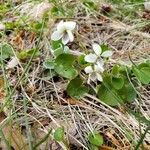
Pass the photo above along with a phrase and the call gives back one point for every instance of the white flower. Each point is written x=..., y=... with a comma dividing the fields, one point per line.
x=95, y=72
x=92, y=58
x=97, y=61
x=64, y=31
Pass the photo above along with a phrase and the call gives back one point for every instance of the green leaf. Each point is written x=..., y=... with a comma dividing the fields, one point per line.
x=58, y=51
x=144, y=65
x=56, y=44
x=31, y=51
x=148, y=62
x=76, y=88
x=22, y=55
x=28, y=53
x=64, y=66
x=127, y=93
x=49, y=64
x=57, y=48
x=104, y=47
x=117, y=82
x=115, y=70
x=81, y=60
x=59, y=134
x=108, y=95
x=140, y=117
x=95, y=139
x=90, y=4
x=143, y=74
x=5, y=51
x=57, y=11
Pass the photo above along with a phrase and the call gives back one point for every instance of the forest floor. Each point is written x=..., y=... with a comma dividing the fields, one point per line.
x=37, y=111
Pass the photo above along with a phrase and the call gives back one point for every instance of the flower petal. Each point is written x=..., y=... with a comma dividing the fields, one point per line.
x=65, y=39
x=100, y=61
x=93, y=76
x=56, y=36
x=66, y=49
x=70, y=25
x=91, y=58
x=97, y=49
x=61, y=26
x=107, y=54
x=71, y=37
x=98, y=68
x=99, y=77
x=88, y=69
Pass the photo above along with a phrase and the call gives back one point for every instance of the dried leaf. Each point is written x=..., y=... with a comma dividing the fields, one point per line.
x=15, y=138
x=105, y=148
x=2, y=93
x=113, y=139
x=18, y=42
x=13, y=135
x=71, y=102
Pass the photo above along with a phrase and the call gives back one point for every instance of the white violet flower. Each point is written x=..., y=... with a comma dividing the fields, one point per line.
x=64, y=32
x=92, y=58
x=97, y=66
x=94, y=72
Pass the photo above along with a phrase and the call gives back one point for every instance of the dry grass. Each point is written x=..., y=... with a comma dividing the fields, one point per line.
x=39, y=102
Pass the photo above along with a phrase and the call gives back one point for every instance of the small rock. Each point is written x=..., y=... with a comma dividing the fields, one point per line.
x=2, y=26
x=147, y=6
x=106, y=8
x=12, y=63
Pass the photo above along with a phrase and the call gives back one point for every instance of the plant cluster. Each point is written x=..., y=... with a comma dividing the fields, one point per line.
x=114, y=86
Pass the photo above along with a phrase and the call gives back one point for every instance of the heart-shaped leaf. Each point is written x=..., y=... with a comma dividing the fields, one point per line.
x=64, y=66
x=6, y=51
x=142, y=73
x=76, y=88
x=49, y=64
x=95, y=139
x=57, y=48
x=59, y=134
x=115, y=70
x=117, y=82
x=109, y=95
x=127, y=93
